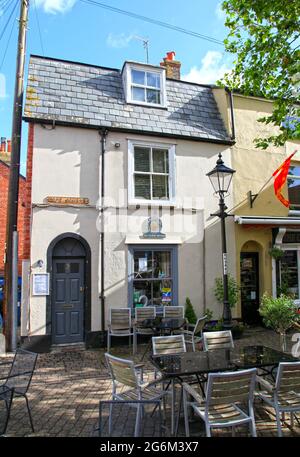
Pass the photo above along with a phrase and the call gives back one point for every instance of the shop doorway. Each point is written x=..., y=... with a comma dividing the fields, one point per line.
x=250, y=287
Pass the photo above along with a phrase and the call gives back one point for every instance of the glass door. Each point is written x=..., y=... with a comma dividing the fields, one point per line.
x=249, y=287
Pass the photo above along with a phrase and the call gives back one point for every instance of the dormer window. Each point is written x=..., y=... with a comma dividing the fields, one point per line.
x=144, y=84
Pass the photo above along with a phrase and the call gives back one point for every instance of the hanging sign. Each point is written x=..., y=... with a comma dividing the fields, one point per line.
x=40, y=284
x=154, y=226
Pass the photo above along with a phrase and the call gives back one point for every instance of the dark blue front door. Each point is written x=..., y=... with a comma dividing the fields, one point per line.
x=68, y=300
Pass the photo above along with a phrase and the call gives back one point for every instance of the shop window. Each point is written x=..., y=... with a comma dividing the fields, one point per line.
x=294, y=187
x=153, y=275
x=288, y=274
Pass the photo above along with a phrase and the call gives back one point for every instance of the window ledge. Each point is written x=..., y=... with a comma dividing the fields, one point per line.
x=156, y=203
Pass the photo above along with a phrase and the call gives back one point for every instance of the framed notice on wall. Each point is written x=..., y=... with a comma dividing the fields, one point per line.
x=40, y=284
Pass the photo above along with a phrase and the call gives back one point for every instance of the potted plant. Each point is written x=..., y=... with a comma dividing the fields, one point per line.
x=233, y=291
x=189, y=313
x=279, y=314
x=276, y=252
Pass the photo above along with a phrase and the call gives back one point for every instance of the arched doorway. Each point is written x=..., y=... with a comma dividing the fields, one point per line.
x=69, y=256
x=250, y=290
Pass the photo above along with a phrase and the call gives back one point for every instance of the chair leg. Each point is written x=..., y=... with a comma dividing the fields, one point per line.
x=252, y=423
x=8, y=408
x=137, y=421
x=110, y=419
x=134, y=343
x=207, y=428
x=29, y=413
x=172, y=407
x=186, y=416
x=278, y=420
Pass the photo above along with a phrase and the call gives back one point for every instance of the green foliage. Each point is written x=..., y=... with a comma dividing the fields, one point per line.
x=209, y=313
x=189, y=312
x=264, y=37
x=233, y=291
x=276, y=252
x=278, y=313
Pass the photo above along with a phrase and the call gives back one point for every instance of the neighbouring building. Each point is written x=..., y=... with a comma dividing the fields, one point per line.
x=120, y=200
x=262, y=222
x=23, y=215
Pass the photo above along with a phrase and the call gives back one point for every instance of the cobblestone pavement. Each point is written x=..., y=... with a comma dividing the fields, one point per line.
x=67, y=387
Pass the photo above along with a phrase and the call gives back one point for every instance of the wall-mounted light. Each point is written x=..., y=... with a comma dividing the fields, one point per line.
x=117, y=145
x=40, y=263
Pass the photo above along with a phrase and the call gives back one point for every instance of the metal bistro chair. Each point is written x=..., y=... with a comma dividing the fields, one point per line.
x=141, y=314
x=173, y=312
x=169, y=345
x=284, y=395
x=124, y=374
x=192, y=336
x=20, y=375
x=119, y=324
x=225, y=395
x=217, y=340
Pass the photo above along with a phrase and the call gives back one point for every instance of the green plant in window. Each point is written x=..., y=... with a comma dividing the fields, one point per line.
x=190, y=314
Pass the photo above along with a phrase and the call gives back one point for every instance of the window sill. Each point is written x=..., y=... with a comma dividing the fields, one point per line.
x=153, y=203
x=147, y=105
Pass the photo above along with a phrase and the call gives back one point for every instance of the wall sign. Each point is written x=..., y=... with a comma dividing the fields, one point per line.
x=40, y=284
x=68, y=200
x=154, y=226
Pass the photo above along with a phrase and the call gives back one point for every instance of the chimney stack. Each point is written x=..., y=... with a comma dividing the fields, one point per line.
x=5, y=150
x=172, y=66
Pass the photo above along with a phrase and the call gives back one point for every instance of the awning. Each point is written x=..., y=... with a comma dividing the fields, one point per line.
x=266, y=220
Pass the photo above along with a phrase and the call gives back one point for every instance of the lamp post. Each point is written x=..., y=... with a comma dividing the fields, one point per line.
x=220, y=178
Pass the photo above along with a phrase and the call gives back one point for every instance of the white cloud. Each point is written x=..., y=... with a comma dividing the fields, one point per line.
x=55, y=6
x=221, y=15
x=120, y=40
x=213, y=68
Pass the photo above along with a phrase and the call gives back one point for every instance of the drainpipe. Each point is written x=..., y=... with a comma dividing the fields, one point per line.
x=229, y=92
x=103, y=134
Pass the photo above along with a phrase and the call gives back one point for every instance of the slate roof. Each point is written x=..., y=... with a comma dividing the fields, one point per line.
x=91, y=96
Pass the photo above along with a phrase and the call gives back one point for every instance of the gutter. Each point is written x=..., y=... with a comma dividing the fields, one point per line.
x=103, y=134
x=243, y=220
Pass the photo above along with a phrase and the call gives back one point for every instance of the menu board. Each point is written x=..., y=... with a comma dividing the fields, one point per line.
x=40, y=284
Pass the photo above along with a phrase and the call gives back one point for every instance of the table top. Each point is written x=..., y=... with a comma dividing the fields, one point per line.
x=161, y=323
x=188, y=363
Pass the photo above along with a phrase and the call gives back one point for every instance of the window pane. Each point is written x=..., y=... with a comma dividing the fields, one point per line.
x=153, y=96
x=160, y=160
x=142, y=264
x=138, y=94
x=138, y=77
x=74, y=267
x=160, y=188
x=162, y=264
x=153, y=80
x=162, y=293
x=289, y=274
x=141, y=159
x=294, y=170
x=141, y=288
x=294, y=191
x=142, y=186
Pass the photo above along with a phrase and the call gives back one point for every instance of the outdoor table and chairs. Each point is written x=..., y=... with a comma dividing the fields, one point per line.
x=180, y=367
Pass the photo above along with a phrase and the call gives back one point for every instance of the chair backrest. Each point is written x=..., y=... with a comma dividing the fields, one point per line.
x=147, y=312
x=120, y=318
x=217, y=340
x=173, y=344
x=122, y=371
x=174, y=312
x=288, y=377
x=21, y=371
x=200, y=325
x=233, y=387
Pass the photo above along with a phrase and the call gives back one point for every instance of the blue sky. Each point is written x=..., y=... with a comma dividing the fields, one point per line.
x=73, y=30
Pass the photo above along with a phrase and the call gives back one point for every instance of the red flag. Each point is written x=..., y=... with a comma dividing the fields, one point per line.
x=280, y=179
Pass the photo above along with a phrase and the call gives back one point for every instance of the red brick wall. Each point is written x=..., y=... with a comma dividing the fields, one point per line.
x=24, y=211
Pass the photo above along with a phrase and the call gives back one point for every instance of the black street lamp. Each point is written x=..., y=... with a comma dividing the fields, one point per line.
x=220, y=178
